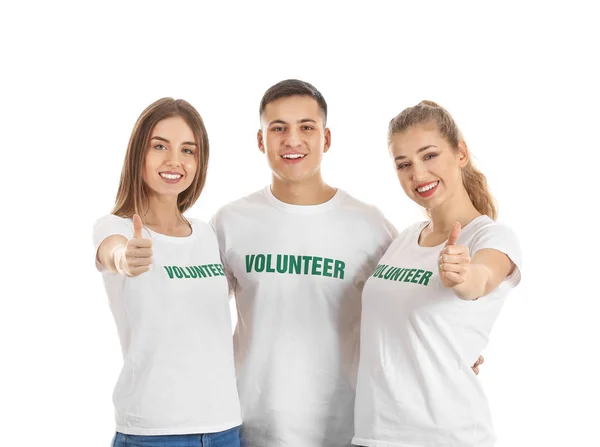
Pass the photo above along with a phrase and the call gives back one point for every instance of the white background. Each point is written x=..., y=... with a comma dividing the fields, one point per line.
x=519, y=80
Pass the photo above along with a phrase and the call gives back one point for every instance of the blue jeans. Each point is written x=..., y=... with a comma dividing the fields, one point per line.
x=227, y=438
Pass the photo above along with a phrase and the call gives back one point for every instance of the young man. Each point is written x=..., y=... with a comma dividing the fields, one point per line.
x=297, y=254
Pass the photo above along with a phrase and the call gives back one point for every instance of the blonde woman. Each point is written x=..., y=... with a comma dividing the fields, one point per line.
x=429, y=306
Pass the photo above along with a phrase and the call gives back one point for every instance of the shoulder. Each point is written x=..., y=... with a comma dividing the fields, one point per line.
x=487, y=233
x=485, y=227
x=198, y=225
x=203, y=235
x=111, y=219
x=111, y=222
x=368, y=218
x=363, y=210
x=109, y=225
x=242, y=205
x=410, y=233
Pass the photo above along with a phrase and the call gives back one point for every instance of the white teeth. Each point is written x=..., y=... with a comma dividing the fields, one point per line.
x=428, y=187
x=292, y=156
x=170, y=176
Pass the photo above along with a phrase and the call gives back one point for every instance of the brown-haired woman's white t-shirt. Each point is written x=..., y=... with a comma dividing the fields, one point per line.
x=174, y=325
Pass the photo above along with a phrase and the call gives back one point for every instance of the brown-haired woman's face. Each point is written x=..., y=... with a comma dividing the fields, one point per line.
x=171, y=160
x=428, y=168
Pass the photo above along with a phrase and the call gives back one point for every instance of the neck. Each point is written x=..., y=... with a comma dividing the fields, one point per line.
x=457, y=208
x=162, y=212
x=313, y=191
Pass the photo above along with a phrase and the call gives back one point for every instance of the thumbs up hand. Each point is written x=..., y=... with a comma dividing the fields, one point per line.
x=454, y=260
x=136, y=258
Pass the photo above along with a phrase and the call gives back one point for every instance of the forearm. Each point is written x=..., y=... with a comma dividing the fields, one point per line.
x=475, y=284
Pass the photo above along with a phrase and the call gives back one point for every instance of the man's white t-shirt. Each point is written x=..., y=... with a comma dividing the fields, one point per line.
x=297, y=273
x=174, y=326
x=418, y=342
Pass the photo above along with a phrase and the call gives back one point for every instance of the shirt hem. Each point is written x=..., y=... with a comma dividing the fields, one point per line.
x=215, y=428
x=373, y=443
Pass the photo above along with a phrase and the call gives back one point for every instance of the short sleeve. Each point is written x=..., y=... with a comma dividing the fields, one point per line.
x=387, y=230
x=502, y=238
x=215, y=223
x=391, y=229
x=107, y=226
x=382, y=234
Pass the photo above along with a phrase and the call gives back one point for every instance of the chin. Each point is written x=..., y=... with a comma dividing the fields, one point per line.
x=427, y=204
x=167, y=192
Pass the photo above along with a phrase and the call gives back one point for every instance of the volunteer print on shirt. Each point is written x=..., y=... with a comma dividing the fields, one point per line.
x=297, y=273
x=173, y=321
x=418, y=341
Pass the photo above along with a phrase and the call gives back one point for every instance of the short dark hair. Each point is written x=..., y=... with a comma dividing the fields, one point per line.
x=293, y=87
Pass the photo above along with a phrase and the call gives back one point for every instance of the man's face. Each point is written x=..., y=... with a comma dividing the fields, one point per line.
x=294, y=138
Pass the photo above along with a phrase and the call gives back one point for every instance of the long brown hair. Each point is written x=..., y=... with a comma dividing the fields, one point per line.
x=474, y=181
x=132, y=195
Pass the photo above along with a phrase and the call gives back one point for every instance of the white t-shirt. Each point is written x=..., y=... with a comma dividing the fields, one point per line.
x=297, y=273
x=174, y=326
x=418, y=342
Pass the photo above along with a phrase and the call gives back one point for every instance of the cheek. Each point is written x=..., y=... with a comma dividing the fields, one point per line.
x=446, y=167
x=149, y=167
x=316, y=141
x=451, y=173
x=271, y=143
x=404, y=181
x=191, y=166
x=153, y=160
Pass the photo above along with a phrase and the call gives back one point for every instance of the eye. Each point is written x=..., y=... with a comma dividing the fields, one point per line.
x=307, y=127
x=429, y=156
x=160, y=147
x=277, y=129
x=188, y=151
x=402, y=166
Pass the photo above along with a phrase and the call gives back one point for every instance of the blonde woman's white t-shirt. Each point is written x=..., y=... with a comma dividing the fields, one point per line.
x=418, y=342
x=174, y=326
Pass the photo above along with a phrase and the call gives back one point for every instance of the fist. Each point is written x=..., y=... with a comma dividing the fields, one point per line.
x=454, y=260
x=137, y=256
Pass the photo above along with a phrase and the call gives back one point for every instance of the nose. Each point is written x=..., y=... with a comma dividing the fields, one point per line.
x=173, y=159
x=293, y=138
x=419, y=172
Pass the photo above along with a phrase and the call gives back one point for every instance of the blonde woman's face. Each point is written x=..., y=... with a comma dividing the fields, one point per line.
x=171, y=160
x=428, y=168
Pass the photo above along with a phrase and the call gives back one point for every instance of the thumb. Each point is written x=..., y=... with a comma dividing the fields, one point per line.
x=454, y=233
x=137, y=226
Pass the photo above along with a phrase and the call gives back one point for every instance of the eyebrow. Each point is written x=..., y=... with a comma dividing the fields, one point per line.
x=303, y=120
x=187, y=143
x=424, y=148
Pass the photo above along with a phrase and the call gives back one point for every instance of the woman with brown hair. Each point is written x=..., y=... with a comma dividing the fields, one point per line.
x=167, y=290
x=429, y=306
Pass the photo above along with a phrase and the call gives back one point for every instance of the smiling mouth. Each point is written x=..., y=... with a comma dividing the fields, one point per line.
x=293, y=156
x=171, y=178
x=428, y=187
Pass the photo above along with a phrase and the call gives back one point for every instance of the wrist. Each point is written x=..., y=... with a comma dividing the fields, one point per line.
x=118, y=255
x=470, y=289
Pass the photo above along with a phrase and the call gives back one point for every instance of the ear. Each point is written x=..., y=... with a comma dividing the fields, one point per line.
x=260, y=141
x=327, y=140
x=463, y=154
